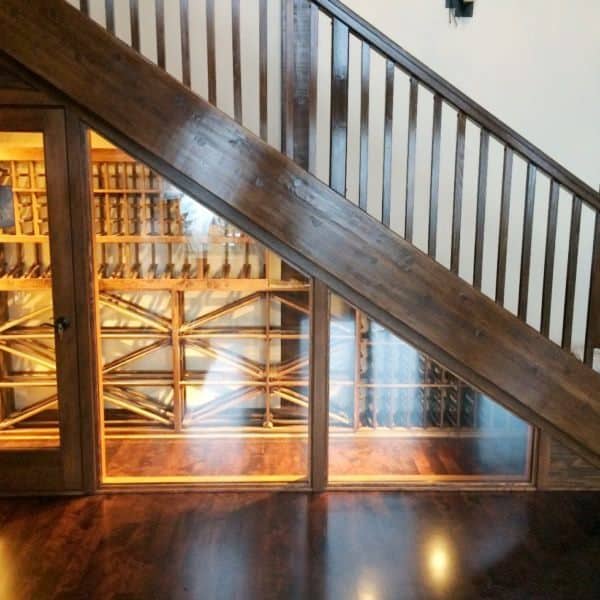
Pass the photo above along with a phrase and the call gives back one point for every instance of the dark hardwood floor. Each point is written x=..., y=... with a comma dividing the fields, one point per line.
x=338, y=545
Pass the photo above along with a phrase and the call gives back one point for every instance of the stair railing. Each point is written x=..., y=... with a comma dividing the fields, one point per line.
x=312, y=93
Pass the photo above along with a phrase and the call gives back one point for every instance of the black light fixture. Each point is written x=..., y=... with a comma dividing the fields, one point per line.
x=460, y=8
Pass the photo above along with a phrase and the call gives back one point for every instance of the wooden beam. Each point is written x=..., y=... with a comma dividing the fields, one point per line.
x=252, y=185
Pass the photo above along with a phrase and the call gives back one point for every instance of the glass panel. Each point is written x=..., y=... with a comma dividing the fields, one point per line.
x=397, y=415
x=28, y=393
x=204, y=338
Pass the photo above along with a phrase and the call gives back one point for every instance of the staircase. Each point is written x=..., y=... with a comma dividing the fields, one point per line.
x=368, y=252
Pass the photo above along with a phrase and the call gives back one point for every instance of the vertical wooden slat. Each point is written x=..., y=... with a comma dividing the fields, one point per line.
x=459, y=168
x=592, y=338
x=160, y=33
x=484, y=147
x=411, y=160
x=319, y=384
x=526, y=246
x=184, y=17
x=387, y=144
x=210, y=51
x=365, y=75
x=549, y=261
x=503, y=229
x=287, y=77
x=237, y=60
x=110, y=15
x=84, y=7
x=571, y=273
x=434, y=184
x=313, y=88
x=263, y=52
x=339, y=106
x=134, y=17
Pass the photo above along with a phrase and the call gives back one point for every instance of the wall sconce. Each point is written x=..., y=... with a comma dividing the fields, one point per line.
x=460, y=8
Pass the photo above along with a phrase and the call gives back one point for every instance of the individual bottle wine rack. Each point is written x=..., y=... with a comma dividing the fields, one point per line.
x=394, y=387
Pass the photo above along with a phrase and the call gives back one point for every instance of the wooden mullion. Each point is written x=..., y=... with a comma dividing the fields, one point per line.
x=185, y=42
x=178, y=376
x=434, y=186
x=134, y=17
x=237, y=60
x=592, y=339
x=263, y=50
x=340, y=48
x=549, y=261
x=411, y=160
x=526, y=245
x=364, y=126
x=484, y=147
x=503, y=228
x=459, y=168
x=387, y=144
x=319, y=386
x=571, y=273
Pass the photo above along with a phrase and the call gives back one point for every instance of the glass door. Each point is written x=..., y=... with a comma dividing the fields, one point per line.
x=39, y=416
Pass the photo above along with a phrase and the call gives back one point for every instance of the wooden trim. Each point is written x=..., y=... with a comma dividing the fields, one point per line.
x=319, y=389
x=415, y=68
x=200, y=150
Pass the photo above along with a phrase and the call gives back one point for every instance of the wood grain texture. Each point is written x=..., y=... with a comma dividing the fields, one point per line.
x=560, y=468
x=237, y=175
x=265, y=546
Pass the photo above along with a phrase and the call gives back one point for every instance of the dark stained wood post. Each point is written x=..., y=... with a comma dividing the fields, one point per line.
x=298, y=125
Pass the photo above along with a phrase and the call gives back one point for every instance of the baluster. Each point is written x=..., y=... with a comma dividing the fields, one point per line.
x=387, y=144
x=434, y=186
x=364, y=126
x=526, y=247
x=313, y=88
x=484, y=149
x=339, y=106
x=84, y=7
x=592, y=339
x=571, y=273
x=237, y=60
x=185, y=42
x=503, y=228
x=210, y=51
x=134, y=17
x=459, y=168
x=110, y=15
x=411, y=159
x=263, y=50
x=549, y=261
x=160, y=33
x=287, y=78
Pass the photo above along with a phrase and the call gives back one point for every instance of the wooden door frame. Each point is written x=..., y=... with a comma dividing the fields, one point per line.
x=57, y=470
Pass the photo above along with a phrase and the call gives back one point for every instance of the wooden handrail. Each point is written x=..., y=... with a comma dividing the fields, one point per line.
x=438, y=85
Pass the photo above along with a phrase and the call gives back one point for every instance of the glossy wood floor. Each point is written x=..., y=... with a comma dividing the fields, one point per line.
x=339, y=545
x=348, y=455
